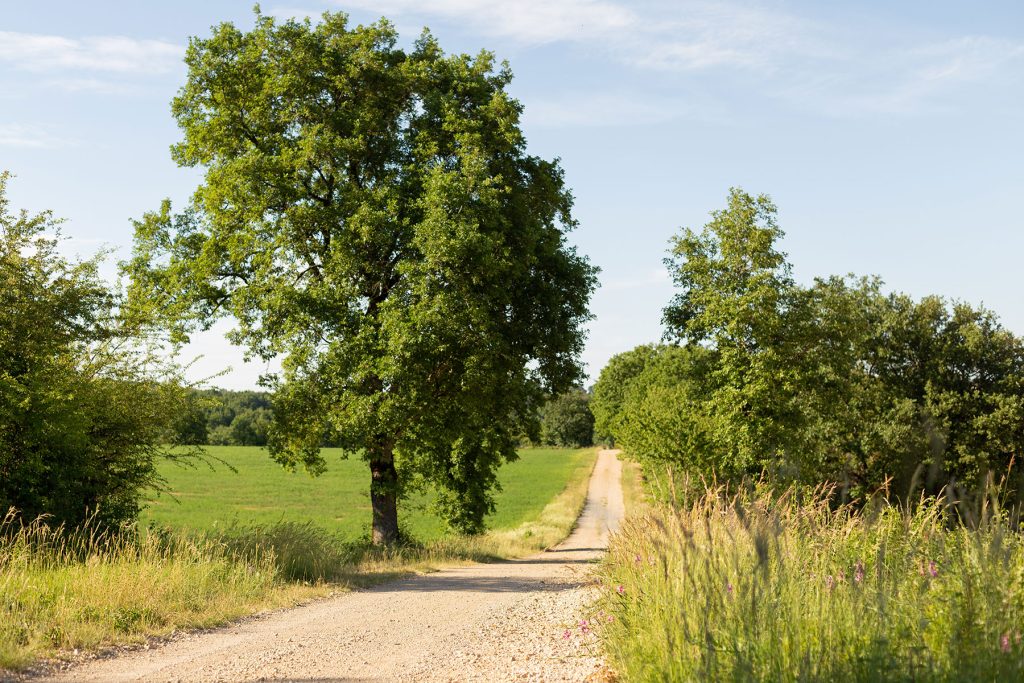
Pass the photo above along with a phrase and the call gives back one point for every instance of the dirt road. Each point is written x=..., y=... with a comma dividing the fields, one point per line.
x=488, y=622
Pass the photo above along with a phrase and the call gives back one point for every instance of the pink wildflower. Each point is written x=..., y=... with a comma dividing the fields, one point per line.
x=620, y=589
x=728, y=588
x=1004, y=642
x=830, y=582
x=567, y=635
x=639, y=559
x=610, y=618
x=858, y=572
x=933, y=569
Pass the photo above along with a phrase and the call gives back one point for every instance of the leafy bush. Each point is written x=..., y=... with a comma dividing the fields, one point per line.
x=85, y=404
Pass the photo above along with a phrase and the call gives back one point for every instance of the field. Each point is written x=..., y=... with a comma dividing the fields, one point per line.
x=262, y=492
x=239, y=543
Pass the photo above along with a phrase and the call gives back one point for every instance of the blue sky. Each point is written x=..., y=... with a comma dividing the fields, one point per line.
x=889, y=134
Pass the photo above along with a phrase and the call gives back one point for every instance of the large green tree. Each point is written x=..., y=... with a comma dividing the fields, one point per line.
x=735, y=295
x=371, y=215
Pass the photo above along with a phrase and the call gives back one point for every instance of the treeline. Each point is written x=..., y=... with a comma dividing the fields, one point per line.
x=835, y=382
x=220, y=417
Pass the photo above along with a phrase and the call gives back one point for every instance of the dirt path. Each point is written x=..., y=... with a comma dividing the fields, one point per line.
x=488, y=622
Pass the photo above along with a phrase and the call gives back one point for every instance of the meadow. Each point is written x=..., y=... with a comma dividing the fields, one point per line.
x=789, y=587
x=259, y=491
x=238, y=543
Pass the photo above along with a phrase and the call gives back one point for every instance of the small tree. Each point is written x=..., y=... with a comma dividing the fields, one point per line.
x=567, y=420
x=372, y=215
x=735, y=295
x=84, y=408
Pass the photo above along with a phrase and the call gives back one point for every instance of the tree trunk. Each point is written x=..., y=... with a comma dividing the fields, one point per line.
x=384, y=497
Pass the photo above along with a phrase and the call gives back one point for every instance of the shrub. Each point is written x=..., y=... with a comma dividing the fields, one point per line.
x=85, y=403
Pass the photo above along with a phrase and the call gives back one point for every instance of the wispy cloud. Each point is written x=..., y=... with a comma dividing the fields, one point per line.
x=826, y=66
x=686, y=35
x=19, y=135
x=908, y=81
x=109, y=54
x=529, y=21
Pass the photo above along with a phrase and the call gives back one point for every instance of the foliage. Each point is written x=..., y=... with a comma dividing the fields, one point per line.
x=790, y=588
x=663, y=415
x=371, y=215
x=835, y=382
x=608, y=398
x=85, y=405
x=566, y=420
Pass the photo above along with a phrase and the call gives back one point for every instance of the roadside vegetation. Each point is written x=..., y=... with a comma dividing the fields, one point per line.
x=791, y=587
x=881, y=541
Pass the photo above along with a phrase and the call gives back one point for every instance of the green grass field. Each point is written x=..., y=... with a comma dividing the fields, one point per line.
x=261, y=492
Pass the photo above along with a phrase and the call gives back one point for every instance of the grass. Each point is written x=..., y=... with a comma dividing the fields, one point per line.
x=61, y=591
x=261, y=492
x=788, y=588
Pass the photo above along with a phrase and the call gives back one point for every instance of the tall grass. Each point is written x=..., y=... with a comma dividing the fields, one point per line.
x=65, y=589
x=788, y=588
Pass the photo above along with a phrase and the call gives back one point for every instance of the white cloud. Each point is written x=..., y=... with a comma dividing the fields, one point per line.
x=666, y=35
x=18, y=135
x=111, y=54
x=528, y=21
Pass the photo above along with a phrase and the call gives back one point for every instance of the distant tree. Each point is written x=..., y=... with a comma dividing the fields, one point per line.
x=567, y=421
x=611, y=387
x=372, y=215
x=85, y=409
x=191, y=426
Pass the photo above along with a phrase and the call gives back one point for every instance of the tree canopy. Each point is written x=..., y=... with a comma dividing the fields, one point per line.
x=371, y=215
x=832, y=382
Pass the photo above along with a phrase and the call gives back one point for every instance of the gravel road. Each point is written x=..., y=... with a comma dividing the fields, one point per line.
x=506, y=621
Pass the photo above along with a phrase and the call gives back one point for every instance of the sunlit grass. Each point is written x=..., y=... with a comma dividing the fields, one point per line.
x=259, y=491
x=762, y=588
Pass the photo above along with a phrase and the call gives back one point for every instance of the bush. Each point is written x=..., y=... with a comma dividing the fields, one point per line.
x=85, y=404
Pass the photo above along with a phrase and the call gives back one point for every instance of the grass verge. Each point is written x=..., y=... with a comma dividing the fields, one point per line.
x=783, y=589
x=61, y=591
